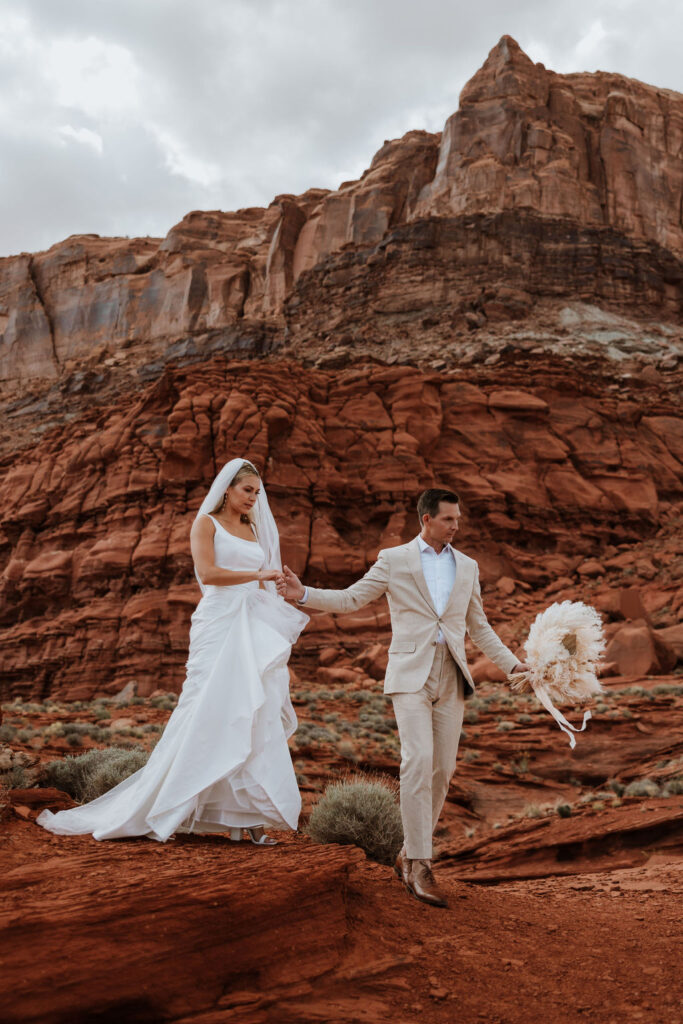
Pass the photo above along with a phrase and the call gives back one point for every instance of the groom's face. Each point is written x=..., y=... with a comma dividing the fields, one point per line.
x=445, y=524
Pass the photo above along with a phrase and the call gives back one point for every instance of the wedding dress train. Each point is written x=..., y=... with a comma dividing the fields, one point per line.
x=223, y=761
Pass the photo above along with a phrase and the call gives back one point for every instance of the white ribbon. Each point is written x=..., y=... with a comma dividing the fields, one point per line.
x=564, y=725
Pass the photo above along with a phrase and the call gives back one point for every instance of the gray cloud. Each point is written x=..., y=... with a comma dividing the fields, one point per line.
x=119, y=117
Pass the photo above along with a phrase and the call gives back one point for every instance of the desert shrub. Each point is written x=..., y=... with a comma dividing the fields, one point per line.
x=166, y=703
x=504, y=726
x=113, y=770
x=525, y=719
x=642, y=787
x=674, y=787
x=74, y=739
x=310, y=733
x=101, y=712
x=15, y=778
x=87, y=776
x=471, y=716
x=616, y=787
x=471, y=755
x=533, y=811
x=7, y=732
x=564, y=810
x=360, y=811
x=346, y=749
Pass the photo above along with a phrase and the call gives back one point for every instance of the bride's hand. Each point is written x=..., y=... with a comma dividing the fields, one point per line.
x=275, y=575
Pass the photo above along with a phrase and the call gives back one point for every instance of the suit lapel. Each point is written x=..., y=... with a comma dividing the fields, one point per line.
x=458, y=586
x=415, y=566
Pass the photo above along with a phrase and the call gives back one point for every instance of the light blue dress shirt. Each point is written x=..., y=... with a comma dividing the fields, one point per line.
x=439, y=573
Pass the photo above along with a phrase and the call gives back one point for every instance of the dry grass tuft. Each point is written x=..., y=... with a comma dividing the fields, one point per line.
x=89, y=775
x=360, y=811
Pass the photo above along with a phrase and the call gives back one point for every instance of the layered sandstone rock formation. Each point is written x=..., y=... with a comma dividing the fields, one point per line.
x=568, y=184
x=97, y=586
x=497, y=308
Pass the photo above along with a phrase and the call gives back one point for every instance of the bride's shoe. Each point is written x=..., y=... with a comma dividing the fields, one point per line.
x=236, y=835
x=263, y=839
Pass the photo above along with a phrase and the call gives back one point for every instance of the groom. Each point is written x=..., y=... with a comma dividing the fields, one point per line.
x=434, y=598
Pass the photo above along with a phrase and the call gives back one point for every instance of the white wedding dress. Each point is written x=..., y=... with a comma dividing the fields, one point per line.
x=223, y=760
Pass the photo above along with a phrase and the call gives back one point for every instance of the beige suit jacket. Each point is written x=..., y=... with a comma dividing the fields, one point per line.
x=414, y=620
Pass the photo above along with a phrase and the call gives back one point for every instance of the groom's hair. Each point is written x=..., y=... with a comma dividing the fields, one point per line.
x=428, y=502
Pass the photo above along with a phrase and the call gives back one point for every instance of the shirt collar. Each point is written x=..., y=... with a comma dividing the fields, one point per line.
x=424, y=546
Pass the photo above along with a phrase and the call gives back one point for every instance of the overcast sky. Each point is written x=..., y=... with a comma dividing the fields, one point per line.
x=120, y=116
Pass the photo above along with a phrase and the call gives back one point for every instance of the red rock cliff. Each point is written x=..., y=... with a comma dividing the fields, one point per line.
x=497, y=309
x=589, y=164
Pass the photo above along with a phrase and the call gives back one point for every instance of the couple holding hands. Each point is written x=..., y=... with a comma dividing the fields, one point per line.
x=223, y=762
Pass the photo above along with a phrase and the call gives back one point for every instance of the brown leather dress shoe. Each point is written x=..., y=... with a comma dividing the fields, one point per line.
x=421, y=884
x=402, y=869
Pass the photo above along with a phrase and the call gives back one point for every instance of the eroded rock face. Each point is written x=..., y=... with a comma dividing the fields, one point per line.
x=598, y=149
x=494, y=309
x=540, y=185
x=97, y=585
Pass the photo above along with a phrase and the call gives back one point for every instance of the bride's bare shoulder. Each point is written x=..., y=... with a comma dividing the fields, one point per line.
x=203, y=525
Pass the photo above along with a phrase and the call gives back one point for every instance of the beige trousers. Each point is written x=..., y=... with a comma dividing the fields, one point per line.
x=429, y=726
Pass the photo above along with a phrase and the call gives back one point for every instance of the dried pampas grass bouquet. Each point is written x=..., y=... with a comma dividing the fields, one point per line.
x=563, y=648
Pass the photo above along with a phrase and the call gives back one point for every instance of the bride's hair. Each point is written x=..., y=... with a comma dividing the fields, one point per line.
x=246, y=470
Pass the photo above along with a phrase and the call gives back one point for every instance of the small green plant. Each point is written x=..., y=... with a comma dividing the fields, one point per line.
x=360, y=811
x=642, y=787
x=89, y=775
x=166, y=703
x=564, y=810
x=15, y=778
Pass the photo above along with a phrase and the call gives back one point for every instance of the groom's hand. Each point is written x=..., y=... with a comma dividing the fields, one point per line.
x=294, y=589
x=519, y=678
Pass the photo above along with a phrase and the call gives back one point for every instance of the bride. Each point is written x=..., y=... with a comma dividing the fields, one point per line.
x=222, y=763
